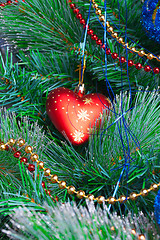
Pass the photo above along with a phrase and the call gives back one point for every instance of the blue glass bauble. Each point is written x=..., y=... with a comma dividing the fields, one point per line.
x=151, y=19
x=157, y=207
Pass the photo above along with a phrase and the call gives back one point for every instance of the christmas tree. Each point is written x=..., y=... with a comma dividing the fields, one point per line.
x=79, y=119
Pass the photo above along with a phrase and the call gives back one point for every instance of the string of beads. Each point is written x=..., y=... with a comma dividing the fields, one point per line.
x=62, y=184
x=114, y=34
x=114, y=55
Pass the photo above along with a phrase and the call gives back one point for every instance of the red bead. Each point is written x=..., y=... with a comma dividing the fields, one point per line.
x=14, y=149
x=94, y=37
x=43, y=184
x=156, y=70
x=90, y=32
x=82, y=21
x=147, y=68
x=24, y=159
x=138, y=66
x=122, y=59
x=48, y=192
x=9, y=2
x=114, y=55
x=2, y=4
x=99, y=42
x=130, y=63
x=79, y=16
x=31, y=167
x=17, y=154
x=86, y=26
x=108, y=51
x=103, y=46
x=76, y=10
x=7, y=148
x=72, y=5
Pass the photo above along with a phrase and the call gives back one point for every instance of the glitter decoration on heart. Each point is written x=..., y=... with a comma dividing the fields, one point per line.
x=73, y=115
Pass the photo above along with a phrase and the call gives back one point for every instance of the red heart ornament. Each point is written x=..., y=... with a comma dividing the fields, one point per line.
x=72, y=115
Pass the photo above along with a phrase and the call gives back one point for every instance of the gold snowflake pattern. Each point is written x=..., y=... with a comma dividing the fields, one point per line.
x=78, y=136
x=83, y=115
x=88, y=101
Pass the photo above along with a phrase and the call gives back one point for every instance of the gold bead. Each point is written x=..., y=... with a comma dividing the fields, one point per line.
x=100, y=199
x=90, y=197
x=71, y=189
x=107, y=24
x=11, y=141
x=80, y=194
x=112, y=228
x=34, y=157
x=102, y=18
x=110, y=29
x=150, y=56
x=122, y=199
x=144, y=192
x=114, y=35
x=133, y=49
x=141, y=237
x=133, y=196
x=98, y=11
x=112, y=200
x=133, y=231
x=120, y=40
x=47, y=171
x=95, y=5
x=141, y=53
x=41, y=164
x=62, y=184
x=158, y=58
x=54, y=178
x=154, y=187
x=28, y=149
x=21, y=142
x=2, y=147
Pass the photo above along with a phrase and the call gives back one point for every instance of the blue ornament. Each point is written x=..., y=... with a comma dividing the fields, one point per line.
x=151, y=19
x=157, y=207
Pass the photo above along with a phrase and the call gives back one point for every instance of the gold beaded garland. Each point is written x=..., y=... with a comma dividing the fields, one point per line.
x=140, y=52
x=133, y=196
x=133, y=231
x=11, y=141
x=154, y=187
x=80, y=194
x=150, y=56
x=2, y=147
x=21, y=142
x=141, y=237
x=41, y=164
x=71, y=189
x=54, y=178
x=122, y=199
x=90, y=197
x=28, y=149
x=144, y=192
x=100, y=199
x=34, y=157
x=111, y=200
x=47, y=171
x=62, y=184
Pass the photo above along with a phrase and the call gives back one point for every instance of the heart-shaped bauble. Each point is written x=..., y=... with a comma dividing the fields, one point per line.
x=74, y=116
